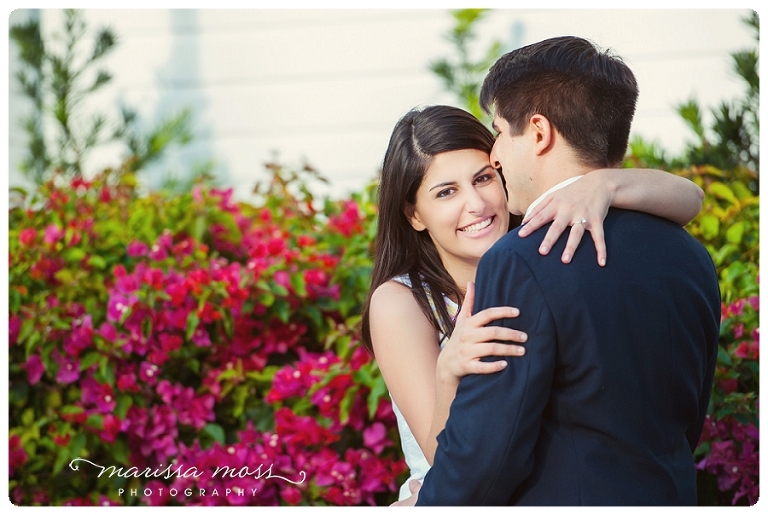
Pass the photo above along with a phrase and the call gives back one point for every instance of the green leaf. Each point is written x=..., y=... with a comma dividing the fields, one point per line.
x=216, y=432
x=14, y=300
x=192, y=322
x=346, y=404
x=97, y=262
x=74, y=255
x=89, y=359
x=239, y=396
x=124, y=402
x=62, y=458
x=283, y=310
x=722, y=191
x=120, y=452
x=279, y=289
x=297, y=281
x=735, y=233
x=378, y=390
x=26, y=329
x=198, y=229
x=723, y=356
x=77, y=444
x=710, y=226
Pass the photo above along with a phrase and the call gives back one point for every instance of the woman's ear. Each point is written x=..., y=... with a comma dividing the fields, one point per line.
x=542, y=131
x=413, y=218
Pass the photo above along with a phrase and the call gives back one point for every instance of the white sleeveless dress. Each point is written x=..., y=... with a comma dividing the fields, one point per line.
x=413, y=454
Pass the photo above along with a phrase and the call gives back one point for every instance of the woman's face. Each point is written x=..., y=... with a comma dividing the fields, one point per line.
x=461, y=203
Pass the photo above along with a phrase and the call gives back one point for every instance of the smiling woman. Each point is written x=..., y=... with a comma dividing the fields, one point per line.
x=463, y=204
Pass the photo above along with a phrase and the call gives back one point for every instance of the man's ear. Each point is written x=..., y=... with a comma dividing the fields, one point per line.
x=413, y=218
x=542, y=132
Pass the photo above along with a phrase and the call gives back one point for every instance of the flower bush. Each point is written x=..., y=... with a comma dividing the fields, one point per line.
x=728, y=456
x=193, y=350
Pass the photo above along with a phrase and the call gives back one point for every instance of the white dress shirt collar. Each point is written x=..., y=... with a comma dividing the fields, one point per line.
x=550, y=190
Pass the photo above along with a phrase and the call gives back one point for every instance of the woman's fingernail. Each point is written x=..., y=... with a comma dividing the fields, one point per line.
x=521, y=350
x=602, y=261
x=543, y=249
x=566, y=258
x=523, y=337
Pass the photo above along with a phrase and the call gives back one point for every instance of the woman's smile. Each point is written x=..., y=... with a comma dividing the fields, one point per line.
x=478, y=229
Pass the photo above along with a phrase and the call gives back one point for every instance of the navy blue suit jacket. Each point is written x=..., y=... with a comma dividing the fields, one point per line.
x=608, y=403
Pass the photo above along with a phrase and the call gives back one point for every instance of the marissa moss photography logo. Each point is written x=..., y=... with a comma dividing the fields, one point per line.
x=181, y=471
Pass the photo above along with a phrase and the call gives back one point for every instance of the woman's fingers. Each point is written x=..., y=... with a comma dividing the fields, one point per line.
x=574, y=238
x=553, y=233
x=469, y=300
x=488, y=315
x=539, y=216
x=598, y=236
x=497, y=333
x=492, y=349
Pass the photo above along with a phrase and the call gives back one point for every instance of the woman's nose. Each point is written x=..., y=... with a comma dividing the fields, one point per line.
x=475, y=202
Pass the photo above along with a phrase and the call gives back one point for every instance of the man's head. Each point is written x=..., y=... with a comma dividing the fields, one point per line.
x=586, y=95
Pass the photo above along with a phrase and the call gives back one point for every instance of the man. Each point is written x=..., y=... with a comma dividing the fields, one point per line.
x=607, y=405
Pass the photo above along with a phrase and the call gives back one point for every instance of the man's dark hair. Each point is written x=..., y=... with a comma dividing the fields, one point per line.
x=588, y=94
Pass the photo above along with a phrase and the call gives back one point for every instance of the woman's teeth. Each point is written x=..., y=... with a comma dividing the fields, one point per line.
x=478, y=226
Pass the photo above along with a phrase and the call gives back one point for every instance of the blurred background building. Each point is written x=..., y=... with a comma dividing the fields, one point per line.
x=326, y=86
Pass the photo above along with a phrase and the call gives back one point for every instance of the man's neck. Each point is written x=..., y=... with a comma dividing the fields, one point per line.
x=555, y=187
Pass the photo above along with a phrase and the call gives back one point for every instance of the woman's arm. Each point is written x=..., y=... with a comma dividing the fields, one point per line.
x=406, y=348
x=652, y=191
x=461, y=356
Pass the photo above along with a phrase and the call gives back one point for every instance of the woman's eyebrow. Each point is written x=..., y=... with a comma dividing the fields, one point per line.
x=481, y=170
x=452, y=183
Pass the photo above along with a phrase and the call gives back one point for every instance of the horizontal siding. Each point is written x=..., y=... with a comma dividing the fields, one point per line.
x=327, y=86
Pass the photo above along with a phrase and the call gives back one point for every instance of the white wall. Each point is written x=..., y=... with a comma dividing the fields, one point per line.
x=328, y=85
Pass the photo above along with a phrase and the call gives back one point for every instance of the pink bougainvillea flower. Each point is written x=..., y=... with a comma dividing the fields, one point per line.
x=27, y=237
x=291, y=495
x=80, y=338
x=178, y=293
x=148, y=372
x=375, y=437
x=35, y=369
x=126, y=377
x=137, y=249
x=754, y=301
x=111, y=427
x=282, y=278
x=748, y=350
x=201, y=338
x=119, y=305
x=17, y=456
x=69, y=369
x=170, y=342
x=14, y=326
x=108, y=332
x=737, y=307
x=105, y=401
x=53, y=234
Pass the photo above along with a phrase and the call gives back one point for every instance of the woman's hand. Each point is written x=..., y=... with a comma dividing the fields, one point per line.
x=582, y=205
x=471, y=340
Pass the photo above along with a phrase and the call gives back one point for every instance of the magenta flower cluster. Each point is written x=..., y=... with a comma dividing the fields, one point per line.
x=191, y=331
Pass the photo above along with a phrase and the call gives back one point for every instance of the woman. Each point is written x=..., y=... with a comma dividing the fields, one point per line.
x=441, y=207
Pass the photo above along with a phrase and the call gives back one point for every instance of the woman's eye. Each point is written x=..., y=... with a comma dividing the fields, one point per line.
x=483, y=178
x=445, y=192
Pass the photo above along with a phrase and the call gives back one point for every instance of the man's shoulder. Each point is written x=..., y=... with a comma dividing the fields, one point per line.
x=512, y=242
